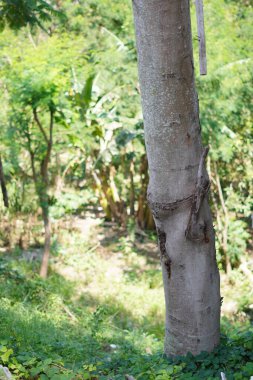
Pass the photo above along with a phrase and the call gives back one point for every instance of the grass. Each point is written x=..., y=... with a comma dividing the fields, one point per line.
x=100, y=313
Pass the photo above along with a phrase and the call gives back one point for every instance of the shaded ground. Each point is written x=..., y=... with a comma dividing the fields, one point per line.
x=100, y=313
x=135, y=255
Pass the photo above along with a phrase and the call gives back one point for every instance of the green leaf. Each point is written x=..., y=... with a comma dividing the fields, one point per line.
x=5, y=356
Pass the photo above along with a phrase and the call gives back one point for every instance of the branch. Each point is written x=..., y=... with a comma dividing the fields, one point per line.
x=24, y=173
x=222, y=200
x=45, y=161
x=226, y=215
x=72, y=161
x=32, y=154
x=31, y=37
x=40, y=125
x=51, y=127
x=217, y=217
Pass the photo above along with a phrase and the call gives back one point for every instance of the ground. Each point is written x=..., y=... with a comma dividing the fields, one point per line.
x=100, y=313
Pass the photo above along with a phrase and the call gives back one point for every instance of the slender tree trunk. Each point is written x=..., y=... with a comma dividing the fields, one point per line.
x=228, y=266
x=3, y=185
x=59, y=178
x=144, y=216
x=46, y=253
x=43, y=197
x=42, y=185
x=178, y=179
x=132, y=189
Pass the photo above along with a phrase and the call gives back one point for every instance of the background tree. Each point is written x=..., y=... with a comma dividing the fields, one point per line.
x=21, y=13
x=33, y=118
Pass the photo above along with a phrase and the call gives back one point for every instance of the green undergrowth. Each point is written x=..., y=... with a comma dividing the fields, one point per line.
x=99, y=315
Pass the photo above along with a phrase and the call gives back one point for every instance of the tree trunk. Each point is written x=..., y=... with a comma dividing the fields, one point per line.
x=46, y=253
x=228, y=266
x=178, y=179
x=144, y=216
x=3, y=185
x=132, y=189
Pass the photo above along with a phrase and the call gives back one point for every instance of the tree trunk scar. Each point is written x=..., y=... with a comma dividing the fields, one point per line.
x=164, y=256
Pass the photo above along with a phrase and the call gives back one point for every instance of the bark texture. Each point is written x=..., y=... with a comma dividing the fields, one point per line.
x=178, y=184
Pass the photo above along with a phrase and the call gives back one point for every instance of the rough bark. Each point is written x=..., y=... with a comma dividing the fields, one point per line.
x=178, y=180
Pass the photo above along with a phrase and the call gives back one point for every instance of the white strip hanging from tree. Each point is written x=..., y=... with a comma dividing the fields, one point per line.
x=201, y=37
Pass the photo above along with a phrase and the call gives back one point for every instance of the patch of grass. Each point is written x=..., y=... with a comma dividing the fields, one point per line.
x=100, y=315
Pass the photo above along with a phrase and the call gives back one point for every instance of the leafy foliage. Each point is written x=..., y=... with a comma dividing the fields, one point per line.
x=86, y=71
x=19, y=13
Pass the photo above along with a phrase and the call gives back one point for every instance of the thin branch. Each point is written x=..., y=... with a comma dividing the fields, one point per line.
x=226, y=215
x=31, y=37
x=218, y=218
x=71, y=162
x=24, y=173
x=40, y=125
x=32, y=154
x=220, y=192
x=45, y=161
x=68, y=312
x=51, y=127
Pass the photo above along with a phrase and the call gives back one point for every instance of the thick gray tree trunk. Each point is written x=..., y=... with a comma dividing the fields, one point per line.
x=178, y=185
